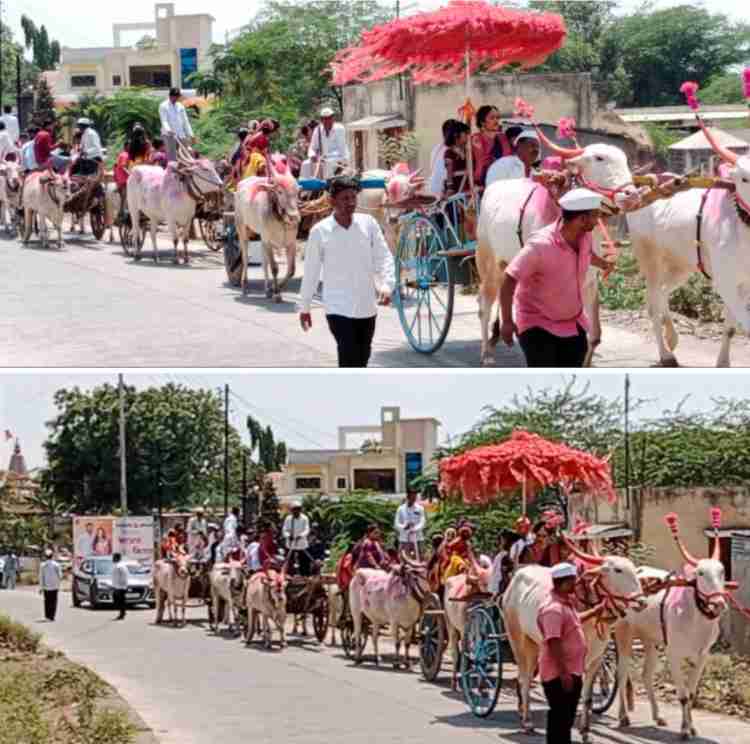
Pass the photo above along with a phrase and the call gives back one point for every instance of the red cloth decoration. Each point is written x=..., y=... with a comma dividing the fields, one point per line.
x=689, y=89
x=523, y=109
x=716, y=518
x=432, y=46
x=746, y=82
x=483, y=473
x=672, y=522
x=566, y=128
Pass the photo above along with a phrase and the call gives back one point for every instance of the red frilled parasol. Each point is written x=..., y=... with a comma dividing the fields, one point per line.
x=525, y=460
x=445, y=45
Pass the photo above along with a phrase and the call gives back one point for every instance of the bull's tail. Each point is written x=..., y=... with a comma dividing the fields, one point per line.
x=495, y=337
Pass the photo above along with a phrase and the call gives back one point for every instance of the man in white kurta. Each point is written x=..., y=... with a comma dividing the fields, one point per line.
x=526, y=149
x=175, y=124
x=296, y=530
x=328, y=148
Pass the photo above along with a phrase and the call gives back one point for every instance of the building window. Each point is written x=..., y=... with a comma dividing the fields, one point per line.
x=116, y=81
x=341, y=483
x=83, y=81
x=382, y=481
x=154, y=76
x=307, y=483
x=413, y=467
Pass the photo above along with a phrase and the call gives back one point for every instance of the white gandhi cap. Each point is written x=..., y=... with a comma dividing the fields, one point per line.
x=563, y=571
x=327, y=111
x=529, y=134
x=581, y=200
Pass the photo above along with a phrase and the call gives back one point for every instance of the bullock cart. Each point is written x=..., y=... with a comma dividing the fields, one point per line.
x=88, y=198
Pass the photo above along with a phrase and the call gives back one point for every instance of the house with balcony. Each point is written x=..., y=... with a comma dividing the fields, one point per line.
x=385, y=459
x=171, y=49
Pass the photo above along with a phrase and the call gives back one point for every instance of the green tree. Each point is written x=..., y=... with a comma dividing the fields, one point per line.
x=45, y=51
x=660, y=49
x=10, y=52
x=44, y=103
x=723, y=89
x=175, y=448
x=269, y=510
x=271, y=454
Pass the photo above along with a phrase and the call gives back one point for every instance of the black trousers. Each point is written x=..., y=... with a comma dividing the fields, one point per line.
x=562, y=709
x=50, y=603
x=543, y=349
x=353, y=339
x=119, y=599
x=303, y=559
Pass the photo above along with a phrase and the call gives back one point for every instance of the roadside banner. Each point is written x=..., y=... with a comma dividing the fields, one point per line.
x=96, y=536
x=134, y=539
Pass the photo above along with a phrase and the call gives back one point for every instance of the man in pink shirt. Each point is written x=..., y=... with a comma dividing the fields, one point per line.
x=542, y=296
x=563, y=655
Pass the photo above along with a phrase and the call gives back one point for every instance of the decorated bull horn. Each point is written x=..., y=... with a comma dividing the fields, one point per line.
x=716, y=524
x=726, y=155
x=642, y=170
x=564, y=152
x=594, y=560
x=673, y=523
x=415, y=175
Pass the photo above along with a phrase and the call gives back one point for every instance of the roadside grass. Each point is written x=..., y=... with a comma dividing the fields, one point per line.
x=46, y=699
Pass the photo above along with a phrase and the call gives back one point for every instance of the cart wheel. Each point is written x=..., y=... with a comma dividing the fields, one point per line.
x=347, y=637
x=605, y=684
x=432, y=639
x=425, y=286
x=96, y=218
x=233, y=257
x=210, y=234
x=320, y=617
x=481, y=662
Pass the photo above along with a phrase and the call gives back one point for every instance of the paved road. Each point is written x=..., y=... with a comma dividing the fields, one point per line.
x=192, y=687
x=90, y=306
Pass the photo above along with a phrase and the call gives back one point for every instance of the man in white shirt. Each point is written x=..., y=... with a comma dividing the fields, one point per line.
x=438, y=172
x=352, y=253
x=50, y=578
x=526, y=151
x=175, y=124
x=91, y=158
x=120, y=578
x=232, y=522
x=11, y=124
x=196, y=527
x=7, y=143
x=296, y=529
x=410, y=522
x=328, y=148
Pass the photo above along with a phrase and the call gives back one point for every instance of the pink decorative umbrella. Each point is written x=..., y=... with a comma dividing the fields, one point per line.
x=527, y=461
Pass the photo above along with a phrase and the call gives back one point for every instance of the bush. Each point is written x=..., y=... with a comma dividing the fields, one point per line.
x=697, y=299
x=18, y=637
x=624, y=289
x=21, y=713
x=108, y=725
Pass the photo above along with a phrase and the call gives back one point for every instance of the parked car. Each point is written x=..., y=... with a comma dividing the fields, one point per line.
x=92, y=583
x=2, y=571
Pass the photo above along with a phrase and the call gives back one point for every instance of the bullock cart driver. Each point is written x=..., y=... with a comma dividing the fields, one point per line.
x=371, y=553
x=296, y=531
x=350, y=250
x=175, y=124
x=328, y=147
x=90, y=161
x=541, y=299
x=526, y=151
x=410, y=522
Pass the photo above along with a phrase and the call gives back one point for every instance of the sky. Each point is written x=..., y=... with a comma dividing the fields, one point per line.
x=92, y=25
x=305, y=408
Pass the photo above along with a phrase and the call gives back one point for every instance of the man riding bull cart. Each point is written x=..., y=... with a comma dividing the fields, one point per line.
x=87, y=176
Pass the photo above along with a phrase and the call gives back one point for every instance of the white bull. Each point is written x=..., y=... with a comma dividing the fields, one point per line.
x=44, y=195
x=456, y=611
x=504, y=224
x=227, y=583
x=687, y=613
x=395, y=598
x=530, y=589
x=112, y=200
x=265, y=596
x=169, y=196
x=335, y=610
x=270, y=208
x=171, y=587
x=664, y=237
x=10, y=195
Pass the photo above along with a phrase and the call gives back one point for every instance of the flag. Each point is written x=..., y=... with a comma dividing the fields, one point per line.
x=8, y=435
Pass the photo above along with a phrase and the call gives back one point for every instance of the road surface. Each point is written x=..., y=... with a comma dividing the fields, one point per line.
x=89, y=305
x=193, y=687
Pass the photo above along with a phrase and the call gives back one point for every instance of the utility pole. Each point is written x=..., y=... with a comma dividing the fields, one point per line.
x=400, y=76
x=226, y=450
x=627, y=443
x=2, y=11
x=123, y=453
x=18, y=90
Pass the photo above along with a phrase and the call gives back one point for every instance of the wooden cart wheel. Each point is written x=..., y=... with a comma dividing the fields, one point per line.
x=96, y=218
x=320, y=616
x=605, y=684
x=210, y=234
x=347, y=637
x=425, y=285
x=481, y=662
x=233, y=257
x=432, y=638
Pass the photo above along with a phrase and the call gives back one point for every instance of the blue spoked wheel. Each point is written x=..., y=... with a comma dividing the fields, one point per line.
x=481, y=662
x=425, y=286
x=604, y=687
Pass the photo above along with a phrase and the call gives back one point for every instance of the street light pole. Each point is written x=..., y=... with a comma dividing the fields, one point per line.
x=627, y=443
x=123, y=453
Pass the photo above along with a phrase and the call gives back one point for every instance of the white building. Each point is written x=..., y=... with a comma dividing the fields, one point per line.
x=176, y=46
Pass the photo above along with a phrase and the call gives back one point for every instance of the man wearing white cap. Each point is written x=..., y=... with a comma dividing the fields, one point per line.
x=541, y=299
x=296, y=530
x=50, y=577
x=526, y=150
x=328, y=148
x=563, y=654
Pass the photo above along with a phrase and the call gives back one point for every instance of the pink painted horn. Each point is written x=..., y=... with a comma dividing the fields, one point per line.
x=673, y=524
x=716, y=524
x=594, y=560
x=564, y=152
x=726, y=155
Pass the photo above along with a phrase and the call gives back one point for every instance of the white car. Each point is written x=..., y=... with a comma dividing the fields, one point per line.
x=92, y=583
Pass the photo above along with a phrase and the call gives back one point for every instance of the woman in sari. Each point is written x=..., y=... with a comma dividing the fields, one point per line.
x=488, y=144
x=371, y=554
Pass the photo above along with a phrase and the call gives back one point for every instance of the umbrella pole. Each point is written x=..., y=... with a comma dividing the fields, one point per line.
x=469, y=148
x=523, y=495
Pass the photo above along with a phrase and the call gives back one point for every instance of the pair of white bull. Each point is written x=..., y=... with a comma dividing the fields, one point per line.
x=687, y=611
x=663, y=237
